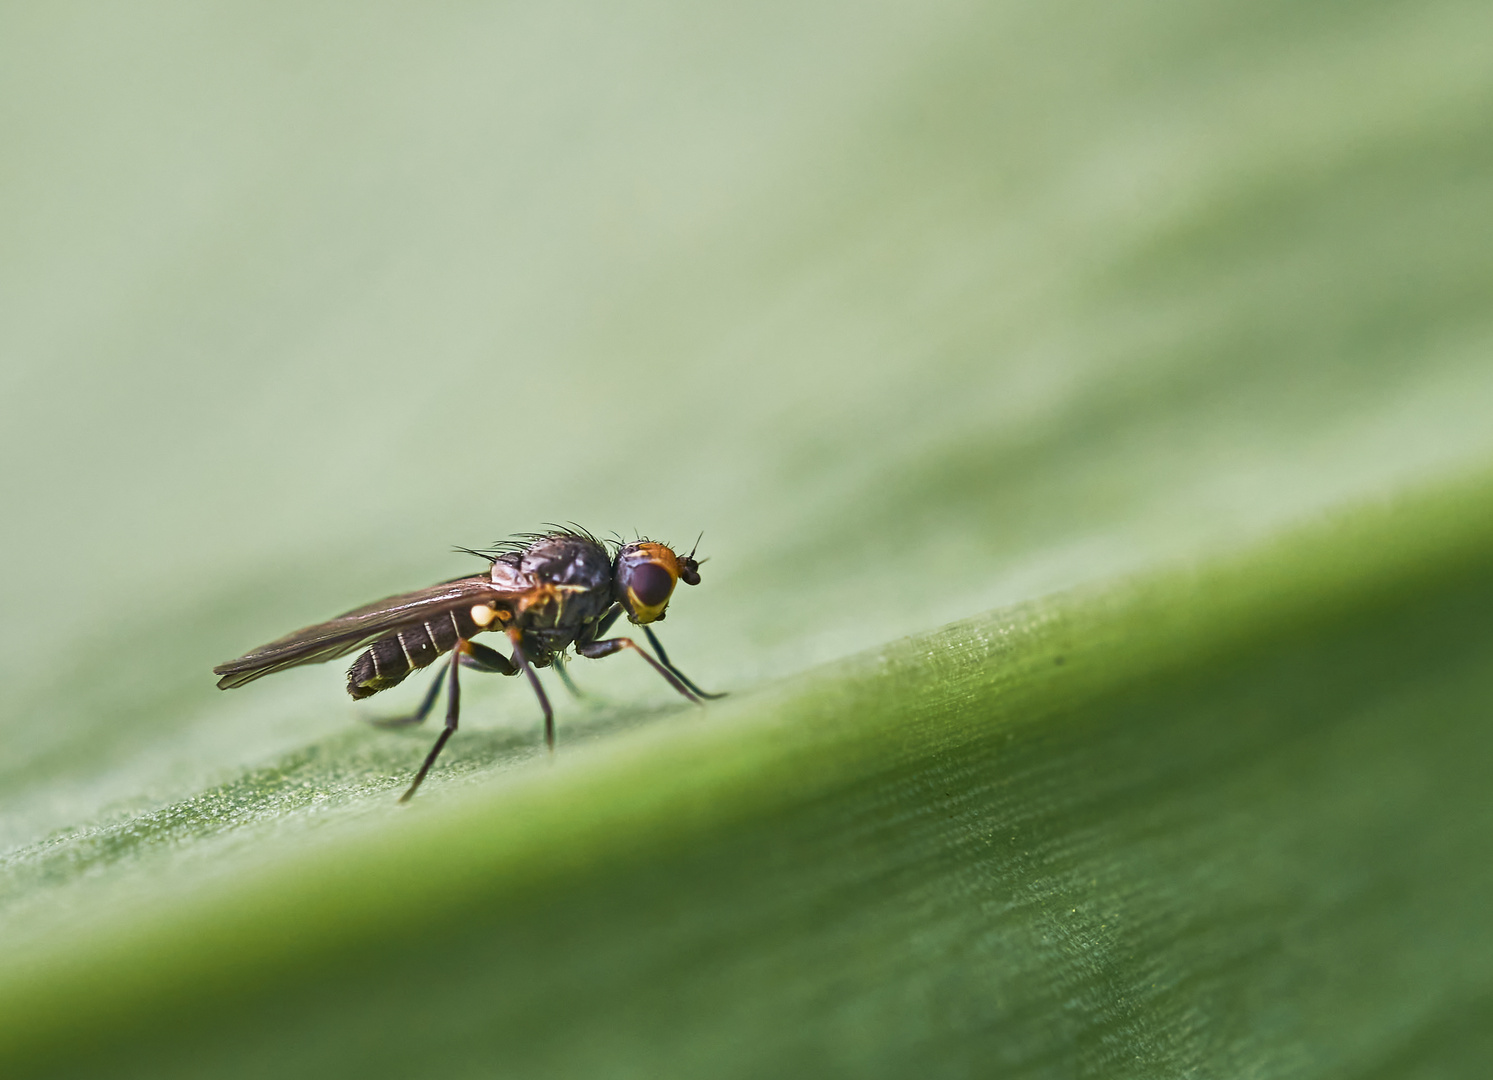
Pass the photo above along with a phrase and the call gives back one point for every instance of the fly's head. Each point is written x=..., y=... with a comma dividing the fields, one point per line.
x=645, y=578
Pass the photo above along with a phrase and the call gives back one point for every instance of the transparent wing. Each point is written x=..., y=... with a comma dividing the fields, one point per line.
x=361, y=626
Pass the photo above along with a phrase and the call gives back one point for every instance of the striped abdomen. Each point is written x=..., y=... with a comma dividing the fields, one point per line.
x=390, y=659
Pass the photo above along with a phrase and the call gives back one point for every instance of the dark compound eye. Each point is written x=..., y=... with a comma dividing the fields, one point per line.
x=651, y=584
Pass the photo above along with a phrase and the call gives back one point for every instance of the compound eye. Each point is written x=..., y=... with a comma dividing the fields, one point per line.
x=651, y=584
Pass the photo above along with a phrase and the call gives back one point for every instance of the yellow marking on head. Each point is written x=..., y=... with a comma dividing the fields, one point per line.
x=641, y=615
x=662, y=555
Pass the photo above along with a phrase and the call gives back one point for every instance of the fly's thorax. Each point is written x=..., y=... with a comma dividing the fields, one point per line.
x=568, y=560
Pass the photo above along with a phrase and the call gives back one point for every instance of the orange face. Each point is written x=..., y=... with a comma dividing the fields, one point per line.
x=646, y=575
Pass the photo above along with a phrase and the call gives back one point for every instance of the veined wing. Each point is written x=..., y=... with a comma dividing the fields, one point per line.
x=364, y=625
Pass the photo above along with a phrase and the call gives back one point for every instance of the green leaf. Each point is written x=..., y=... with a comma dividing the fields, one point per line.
x=1188, y=820
x=1159, y=335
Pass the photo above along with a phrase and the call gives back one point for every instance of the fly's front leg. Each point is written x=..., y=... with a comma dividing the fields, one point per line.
x=453, y=710
x=514, y=635
x=664, y=659
x=597, y=649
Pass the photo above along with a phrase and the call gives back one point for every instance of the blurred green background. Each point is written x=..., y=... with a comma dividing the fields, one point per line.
x=919, y=312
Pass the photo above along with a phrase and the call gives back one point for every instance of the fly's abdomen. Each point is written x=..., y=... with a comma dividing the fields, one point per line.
x=389, y=660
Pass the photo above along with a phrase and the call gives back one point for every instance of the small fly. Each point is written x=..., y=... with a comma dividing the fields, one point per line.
x=545, y=591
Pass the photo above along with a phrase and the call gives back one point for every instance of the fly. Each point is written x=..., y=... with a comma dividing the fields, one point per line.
x=546, y=592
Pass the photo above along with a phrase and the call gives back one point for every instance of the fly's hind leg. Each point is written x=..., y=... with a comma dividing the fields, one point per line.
x=418, y=716
x=453, y=711
x=476, y=657
x=481, y=658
